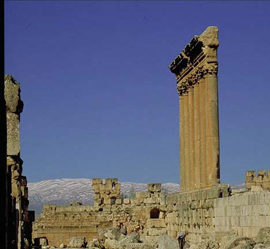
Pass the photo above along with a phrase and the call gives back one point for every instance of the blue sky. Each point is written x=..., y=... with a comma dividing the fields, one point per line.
x=100, y=100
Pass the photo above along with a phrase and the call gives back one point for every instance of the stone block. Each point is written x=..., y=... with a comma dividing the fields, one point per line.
x=156, y=223
x=134, y=201
x=77, y=242
x=107, y=201
x=118, y=201
x=154, y=187
x=140, y=200
x=148, y=201
x=156, y=231
x=13, y=134
x=142, y=195
x=162, y=201
x=12, y=95
x=127, y=201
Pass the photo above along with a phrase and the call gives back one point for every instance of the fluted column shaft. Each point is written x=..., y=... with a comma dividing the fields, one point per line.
x=187, y=142
x=213, y=169
x=202, y=87
x=182, y=141
x=197, y=136
x=191, y=138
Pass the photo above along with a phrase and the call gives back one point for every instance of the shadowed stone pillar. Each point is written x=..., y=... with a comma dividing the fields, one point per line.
x=196, y=74
x=191, y=137
x=182, y=141
x=187, y=144
x=203, y=177
x=197, y=136
x=212, y=127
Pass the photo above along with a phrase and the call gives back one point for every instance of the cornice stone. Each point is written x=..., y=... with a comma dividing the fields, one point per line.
x=194, y=77
x=198, y=59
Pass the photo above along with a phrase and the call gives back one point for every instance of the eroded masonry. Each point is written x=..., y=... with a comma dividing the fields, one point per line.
x=204, y=209
x=20, y=218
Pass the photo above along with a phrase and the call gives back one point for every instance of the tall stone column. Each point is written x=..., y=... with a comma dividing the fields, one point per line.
x=187, y=142
x=203, y=122
x=196, y=74
x=197, y=135
x=212, y=127
x=191, y=138
x=182, y=141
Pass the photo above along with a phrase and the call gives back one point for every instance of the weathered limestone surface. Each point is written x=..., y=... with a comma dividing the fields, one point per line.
x=13, y=134
x=207, y=214
x=14, y=107
x=106, y=193
x=196, y=74
x=202, y=216
x=21, y=220
x=262, y=179
x=59, y=223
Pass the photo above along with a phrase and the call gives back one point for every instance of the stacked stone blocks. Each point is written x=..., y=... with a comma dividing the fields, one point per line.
x=107, y=193
x=19, y=189
x=59, y=223
x=206, y=213
x=261, y=179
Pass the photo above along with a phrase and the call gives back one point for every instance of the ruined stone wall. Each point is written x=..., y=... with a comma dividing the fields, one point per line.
x=59, y=223
x=18, y=183
x=204, y=215
x=107, y=193
x=261, y=179
x=144, y=214
x=213, y=213
x=193, y=212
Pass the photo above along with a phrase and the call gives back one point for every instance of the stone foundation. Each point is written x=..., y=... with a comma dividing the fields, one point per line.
x=207, y=214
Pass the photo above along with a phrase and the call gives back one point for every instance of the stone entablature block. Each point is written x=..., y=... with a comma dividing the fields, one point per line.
x=198, y=59
x=260, y=178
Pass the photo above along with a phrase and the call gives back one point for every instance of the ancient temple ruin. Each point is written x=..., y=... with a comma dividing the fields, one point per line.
x=204, y=209
x=144, y=214
x=196, y=70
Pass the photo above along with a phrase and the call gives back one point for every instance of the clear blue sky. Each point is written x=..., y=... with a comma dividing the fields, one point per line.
x=100, y=100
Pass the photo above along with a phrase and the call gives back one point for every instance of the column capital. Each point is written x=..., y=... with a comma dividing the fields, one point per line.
x=197, y=60
x=193, y=78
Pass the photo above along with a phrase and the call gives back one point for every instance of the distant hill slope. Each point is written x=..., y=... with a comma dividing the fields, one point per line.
x=63, y=191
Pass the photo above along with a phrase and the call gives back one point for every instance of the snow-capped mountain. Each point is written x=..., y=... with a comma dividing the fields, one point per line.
x=64, y=191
